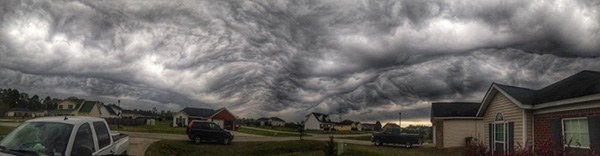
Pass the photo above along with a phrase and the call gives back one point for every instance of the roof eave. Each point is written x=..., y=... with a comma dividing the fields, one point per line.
x=592, y=97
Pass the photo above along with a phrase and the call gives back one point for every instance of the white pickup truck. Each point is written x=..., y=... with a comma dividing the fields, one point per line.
x=64, y=136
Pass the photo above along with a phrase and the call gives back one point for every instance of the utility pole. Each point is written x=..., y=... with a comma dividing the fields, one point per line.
x=400, y=119
x=119, y=115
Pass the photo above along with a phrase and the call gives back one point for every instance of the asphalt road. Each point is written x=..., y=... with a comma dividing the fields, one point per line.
x=140, y=141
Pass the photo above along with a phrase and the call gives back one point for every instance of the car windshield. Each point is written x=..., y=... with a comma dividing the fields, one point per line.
x=43, y=138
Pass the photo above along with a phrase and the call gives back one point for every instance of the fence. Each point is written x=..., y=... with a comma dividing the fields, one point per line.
x=126, y=122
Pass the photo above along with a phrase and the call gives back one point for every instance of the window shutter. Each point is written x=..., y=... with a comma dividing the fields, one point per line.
x=594, y=131
x=511, y=135
x=491, y=134
x=556, y=132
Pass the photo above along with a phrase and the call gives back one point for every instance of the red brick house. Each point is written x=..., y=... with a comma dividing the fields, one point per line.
x=221, y=117
x=568, y=109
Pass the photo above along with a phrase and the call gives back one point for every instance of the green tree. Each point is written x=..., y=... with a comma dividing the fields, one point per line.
x=377, y=126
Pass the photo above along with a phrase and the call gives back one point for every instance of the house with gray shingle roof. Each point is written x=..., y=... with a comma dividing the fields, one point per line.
x=275, y=121
x=565, y=111
x=221, y=117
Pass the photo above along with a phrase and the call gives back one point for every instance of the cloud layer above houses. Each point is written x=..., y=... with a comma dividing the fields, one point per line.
x=367, y=59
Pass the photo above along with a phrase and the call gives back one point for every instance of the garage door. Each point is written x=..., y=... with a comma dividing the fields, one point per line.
x=219, y=122
x=229, y=124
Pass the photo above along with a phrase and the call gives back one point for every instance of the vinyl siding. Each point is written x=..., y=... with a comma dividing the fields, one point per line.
x=512, y=113
x=456, y=131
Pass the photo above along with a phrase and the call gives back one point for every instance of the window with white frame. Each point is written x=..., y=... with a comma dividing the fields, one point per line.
x=499, y=133
x=576, y=130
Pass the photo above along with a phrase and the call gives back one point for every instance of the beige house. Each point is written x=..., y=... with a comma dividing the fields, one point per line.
x=345, y=125
x=454, y=122
x=515, y=117
x=275, y=121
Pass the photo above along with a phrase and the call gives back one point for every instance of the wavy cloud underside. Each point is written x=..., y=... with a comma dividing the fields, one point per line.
x=367, y=59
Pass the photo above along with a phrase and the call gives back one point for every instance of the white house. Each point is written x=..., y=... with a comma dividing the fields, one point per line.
x=318, y=121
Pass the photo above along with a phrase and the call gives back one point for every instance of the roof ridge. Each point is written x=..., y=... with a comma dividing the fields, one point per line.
x=504, y=85
x=576, y=75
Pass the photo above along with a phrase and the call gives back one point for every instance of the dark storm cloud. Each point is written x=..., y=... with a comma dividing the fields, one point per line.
x=368, y=59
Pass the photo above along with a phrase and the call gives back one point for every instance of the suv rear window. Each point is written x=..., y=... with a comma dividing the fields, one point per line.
x=102, y=134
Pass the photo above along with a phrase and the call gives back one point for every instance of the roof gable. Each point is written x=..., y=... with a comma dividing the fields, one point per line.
x=87, y=106
x=110, y=110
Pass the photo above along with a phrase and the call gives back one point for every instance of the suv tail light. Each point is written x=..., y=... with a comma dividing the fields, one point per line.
x=189, y=128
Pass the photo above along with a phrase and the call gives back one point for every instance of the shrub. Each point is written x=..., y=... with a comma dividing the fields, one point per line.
x=330, y=148
x=546, y=148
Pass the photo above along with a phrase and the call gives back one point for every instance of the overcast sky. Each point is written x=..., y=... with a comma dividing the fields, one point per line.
x=367, y=59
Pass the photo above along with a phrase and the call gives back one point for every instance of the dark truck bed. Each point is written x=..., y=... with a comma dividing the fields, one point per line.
x=395, y=136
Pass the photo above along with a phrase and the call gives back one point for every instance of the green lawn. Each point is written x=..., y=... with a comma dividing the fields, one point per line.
x=287, y=129
x=5, y=130
x=277, y=128
x=160, y=127
x=366, y=138
x=336, y=132
x=265, y=133
x=287, y=148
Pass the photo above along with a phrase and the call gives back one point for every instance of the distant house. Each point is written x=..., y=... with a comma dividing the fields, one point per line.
x=514, y=116
x=390, y=125
x=39, y=113
x=221, y=117
x=67, y=107
x=275, y=121
x=367, y=126
x=356, y=126
x=19, y=112
x=453, y=122
x=77, y=107
x=129, y=114
x=344, y=125
x=318, y=121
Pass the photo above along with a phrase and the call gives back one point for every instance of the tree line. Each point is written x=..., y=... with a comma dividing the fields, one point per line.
x=10, y=98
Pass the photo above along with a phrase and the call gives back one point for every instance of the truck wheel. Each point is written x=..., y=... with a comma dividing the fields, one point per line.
x=197, y=140
x=226, y=141
x=378, y=142
x=407, y=145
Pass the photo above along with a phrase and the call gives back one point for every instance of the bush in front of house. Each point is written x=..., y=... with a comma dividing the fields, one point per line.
x=546, y=148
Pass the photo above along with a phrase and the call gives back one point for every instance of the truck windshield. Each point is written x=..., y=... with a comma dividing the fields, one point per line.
x=43, y=138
